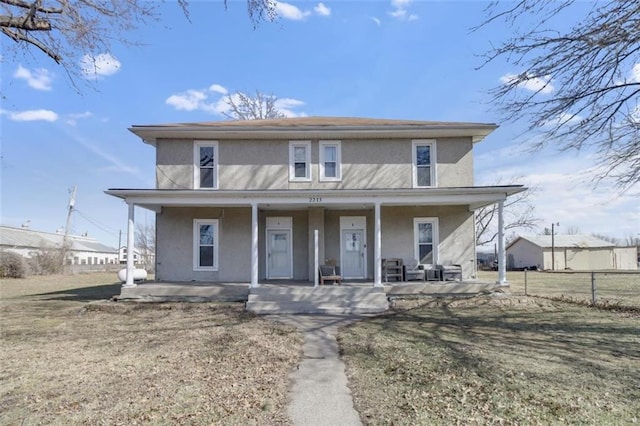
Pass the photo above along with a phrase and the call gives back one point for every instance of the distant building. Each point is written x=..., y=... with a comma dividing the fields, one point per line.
x=83, y=250
x=122, y=255
x=575, y=252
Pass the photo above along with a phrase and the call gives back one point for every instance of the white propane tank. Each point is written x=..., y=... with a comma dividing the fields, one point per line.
x=138, y=274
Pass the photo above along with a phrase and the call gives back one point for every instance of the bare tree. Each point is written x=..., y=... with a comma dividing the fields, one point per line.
x=519, y=214
x=572, y=230
x=66, y=31
x=243, y=106
x=578, y=88
x=146, y=244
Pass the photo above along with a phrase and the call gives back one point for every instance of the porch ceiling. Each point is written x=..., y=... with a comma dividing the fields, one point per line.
x=473, y=197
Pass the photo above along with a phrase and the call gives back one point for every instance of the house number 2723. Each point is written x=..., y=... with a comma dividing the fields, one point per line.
x=315, y=199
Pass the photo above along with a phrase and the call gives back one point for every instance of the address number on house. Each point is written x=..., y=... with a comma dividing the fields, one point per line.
x=315, y=199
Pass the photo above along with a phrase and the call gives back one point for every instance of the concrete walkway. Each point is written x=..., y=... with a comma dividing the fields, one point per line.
x=319, y=395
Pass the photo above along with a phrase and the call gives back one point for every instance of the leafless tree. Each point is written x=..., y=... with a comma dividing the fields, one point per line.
x=66, y=31
x=519, y=213
x=577, y=88
x=607, y=238
x=243, y=106
x=146, y=244
x=572, y=230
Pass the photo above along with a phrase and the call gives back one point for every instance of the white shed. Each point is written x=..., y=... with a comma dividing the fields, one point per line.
x=576, y=252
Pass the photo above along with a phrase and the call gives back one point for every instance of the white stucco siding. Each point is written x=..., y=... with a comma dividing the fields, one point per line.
x=174, y=252
x=456, y=239
x=264, y=164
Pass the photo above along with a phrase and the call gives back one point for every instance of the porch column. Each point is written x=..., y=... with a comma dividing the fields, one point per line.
x=130, y=247
x=377, y=270
x=502, y=258
x=254, y=245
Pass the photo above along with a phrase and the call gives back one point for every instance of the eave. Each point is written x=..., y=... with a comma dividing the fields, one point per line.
x=473, y=197
x=150, y=134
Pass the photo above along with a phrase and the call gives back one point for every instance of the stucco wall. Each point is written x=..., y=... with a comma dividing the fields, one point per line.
x=455, y=234
x=174, y=252
x=366, y=164
x=175, y=239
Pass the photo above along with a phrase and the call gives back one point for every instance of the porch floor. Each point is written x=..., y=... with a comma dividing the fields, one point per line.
x=159, y=291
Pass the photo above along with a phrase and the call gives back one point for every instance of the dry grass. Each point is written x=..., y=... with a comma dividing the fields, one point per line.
x=70, y=357
x=495, y=360
x=612, y=288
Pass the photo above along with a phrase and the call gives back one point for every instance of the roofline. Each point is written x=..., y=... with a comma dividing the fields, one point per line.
x=150, y=134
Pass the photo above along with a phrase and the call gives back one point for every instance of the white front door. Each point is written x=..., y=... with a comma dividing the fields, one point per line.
x=279, y=254
x=353, y=253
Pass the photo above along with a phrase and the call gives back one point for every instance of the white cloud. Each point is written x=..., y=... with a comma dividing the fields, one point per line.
x=400, y=10
x=289, y=11
x=376, y=20
x=191, y=100
x=287, y=106
x=322, y=10
x=214, y=101
x=72, y=119
x=635, y=74
x=534, y=84
x=566, y=191
x=39, y=79
x=218, y=89
x=563, y=119
x=31, y=115
x=98, y=66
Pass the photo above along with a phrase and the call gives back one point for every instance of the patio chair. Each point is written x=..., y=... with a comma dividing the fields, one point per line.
x=330, y=273
x=413, y=270
x=449, y=271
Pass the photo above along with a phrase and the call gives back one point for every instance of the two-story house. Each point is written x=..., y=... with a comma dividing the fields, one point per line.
x=250, y=201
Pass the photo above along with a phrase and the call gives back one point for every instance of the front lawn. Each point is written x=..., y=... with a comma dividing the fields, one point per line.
x=71, y=357
x=495, y=360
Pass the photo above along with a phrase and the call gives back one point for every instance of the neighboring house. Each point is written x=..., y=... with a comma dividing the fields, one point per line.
x=122, y=255
x=241, y=201
x=576, y=252
x=83, y=250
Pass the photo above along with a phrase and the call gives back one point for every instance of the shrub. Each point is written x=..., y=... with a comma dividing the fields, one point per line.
x=47, y=261
x=12, y=265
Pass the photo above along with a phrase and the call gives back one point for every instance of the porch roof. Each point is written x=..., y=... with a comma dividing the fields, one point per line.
x=474, y=197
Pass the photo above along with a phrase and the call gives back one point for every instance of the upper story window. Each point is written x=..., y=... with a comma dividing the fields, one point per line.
x=206, y=165
x=330, y=161
x=424, y=163
x=300, y=161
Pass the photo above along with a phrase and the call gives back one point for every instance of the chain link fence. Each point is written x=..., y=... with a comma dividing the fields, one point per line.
x=603, y=288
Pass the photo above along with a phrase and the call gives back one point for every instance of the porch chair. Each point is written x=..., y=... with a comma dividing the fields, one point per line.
x=413, y=270
x=330, y=273
x=449, y=270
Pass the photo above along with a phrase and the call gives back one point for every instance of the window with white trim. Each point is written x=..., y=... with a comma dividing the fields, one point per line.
x=205, y=159
x=425, y=237
x=424, y=163
x=300, y=161
x=330, y=161
x=205, y=244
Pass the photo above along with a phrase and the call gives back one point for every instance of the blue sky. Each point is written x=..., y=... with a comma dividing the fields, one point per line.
x=388, y=59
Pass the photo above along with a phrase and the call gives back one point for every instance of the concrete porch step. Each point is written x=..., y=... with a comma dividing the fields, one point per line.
x=331, y=300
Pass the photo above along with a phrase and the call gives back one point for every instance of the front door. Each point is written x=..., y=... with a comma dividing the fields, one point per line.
x=353, y=252
x=279, y=254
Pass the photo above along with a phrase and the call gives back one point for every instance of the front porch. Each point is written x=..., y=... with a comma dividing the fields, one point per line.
x=353, y=297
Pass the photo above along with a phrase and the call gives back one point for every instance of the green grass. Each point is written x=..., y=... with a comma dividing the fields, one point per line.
x=489, y=360
x=71, y=357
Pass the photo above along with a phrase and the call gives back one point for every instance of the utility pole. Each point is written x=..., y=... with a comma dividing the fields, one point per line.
x=553, y=248
x=67, y=228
